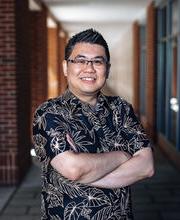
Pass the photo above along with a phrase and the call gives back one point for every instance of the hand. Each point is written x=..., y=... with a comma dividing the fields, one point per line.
x=71, y=142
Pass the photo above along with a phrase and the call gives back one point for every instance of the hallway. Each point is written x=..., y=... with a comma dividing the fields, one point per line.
x=155, y=199
x=158, y=198
x=144, y=41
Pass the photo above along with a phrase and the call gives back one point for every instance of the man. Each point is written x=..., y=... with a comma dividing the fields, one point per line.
x=91, y=146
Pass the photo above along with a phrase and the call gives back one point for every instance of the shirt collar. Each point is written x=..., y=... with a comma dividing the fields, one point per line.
x=69, y=97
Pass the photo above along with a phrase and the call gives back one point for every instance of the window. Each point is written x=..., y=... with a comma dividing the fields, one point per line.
x=143, y=71
x=168, y=71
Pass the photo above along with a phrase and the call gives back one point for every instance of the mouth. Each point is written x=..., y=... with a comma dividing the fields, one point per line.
x=89, y=79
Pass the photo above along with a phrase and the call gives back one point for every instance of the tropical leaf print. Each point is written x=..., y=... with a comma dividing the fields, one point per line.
x=43, y=208
x=54, y=197
x=86, y=213
x=58, y=143
x=72, y=211
x=40, y=121
x=61, y=125
x=55, y=217
x=39, y=144
x=70, y=188
x=80, y=141
x=96, y=198
x=111, y=125
x=104, y=213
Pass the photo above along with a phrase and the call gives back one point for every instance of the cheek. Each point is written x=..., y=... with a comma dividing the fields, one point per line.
x=101, y=80
x=72, y=77
x=103, y=76
x=74, y=72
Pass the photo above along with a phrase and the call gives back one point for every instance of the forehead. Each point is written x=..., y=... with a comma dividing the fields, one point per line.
x=89, y=50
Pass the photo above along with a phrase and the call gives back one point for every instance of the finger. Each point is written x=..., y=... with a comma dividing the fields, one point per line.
x=71, y=142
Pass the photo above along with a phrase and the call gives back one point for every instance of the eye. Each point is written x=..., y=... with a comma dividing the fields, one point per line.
x=80, y=61
x=98, y=62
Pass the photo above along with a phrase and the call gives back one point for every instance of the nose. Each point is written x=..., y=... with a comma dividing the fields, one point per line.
x=89, y=61
x=89, y=66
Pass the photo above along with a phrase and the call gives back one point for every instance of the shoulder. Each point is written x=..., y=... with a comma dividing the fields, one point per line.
x=119, y=102
x=49, y=106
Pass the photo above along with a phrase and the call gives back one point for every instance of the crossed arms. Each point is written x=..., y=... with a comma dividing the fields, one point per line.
x=108, y=170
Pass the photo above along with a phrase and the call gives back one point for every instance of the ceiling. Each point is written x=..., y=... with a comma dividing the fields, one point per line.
x=110, y=17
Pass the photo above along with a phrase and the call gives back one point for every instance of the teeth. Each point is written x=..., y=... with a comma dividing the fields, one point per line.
x=88, y=78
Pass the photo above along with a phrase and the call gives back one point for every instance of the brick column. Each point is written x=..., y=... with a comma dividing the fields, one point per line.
x=38, y=57
x=136, y=67
x=62, y=44
x=14, y=91
x=53, y=66
x=151, y=67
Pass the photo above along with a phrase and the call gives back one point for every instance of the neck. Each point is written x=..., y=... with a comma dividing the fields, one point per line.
x=91, y=99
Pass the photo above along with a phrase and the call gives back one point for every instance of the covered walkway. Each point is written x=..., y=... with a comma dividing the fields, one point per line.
x=155, y=199
x=145, y=58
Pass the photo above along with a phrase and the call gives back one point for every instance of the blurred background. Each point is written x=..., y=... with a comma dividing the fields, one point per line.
x=144, y=41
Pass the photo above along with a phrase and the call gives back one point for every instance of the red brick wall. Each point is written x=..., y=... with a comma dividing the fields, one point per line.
x=14, y=91
x=8, y=94
x=23, y=81
x=24, y=85
x=38, y=57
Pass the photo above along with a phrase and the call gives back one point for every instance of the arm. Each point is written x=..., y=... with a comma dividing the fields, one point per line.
x=86, y=167
x=140, y=166
x=52, y=144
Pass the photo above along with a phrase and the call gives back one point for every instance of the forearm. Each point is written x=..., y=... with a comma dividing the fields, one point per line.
x=97, y=166
x=140, y=166
x=87, y=167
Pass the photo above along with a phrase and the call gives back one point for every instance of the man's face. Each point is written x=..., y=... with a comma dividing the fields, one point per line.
x=86, y=78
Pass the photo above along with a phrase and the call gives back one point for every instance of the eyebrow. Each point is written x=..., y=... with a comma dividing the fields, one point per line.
x=96, y=57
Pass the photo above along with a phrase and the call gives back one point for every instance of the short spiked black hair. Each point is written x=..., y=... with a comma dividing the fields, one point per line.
x=88, y=36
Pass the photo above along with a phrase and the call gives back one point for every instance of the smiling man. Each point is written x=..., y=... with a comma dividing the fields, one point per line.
x=86, y=70
x=91, y=146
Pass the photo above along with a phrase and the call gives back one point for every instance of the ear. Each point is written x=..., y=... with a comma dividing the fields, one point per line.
x=64, y=65
x=108, y=70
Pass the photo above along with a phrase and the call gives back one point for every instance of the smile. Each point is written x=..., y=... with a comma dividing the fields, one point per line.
x=88, y=78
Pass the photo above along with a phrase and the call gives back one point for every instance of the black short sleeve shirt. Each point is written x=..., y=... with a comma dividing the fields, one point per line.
x=109, y=126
